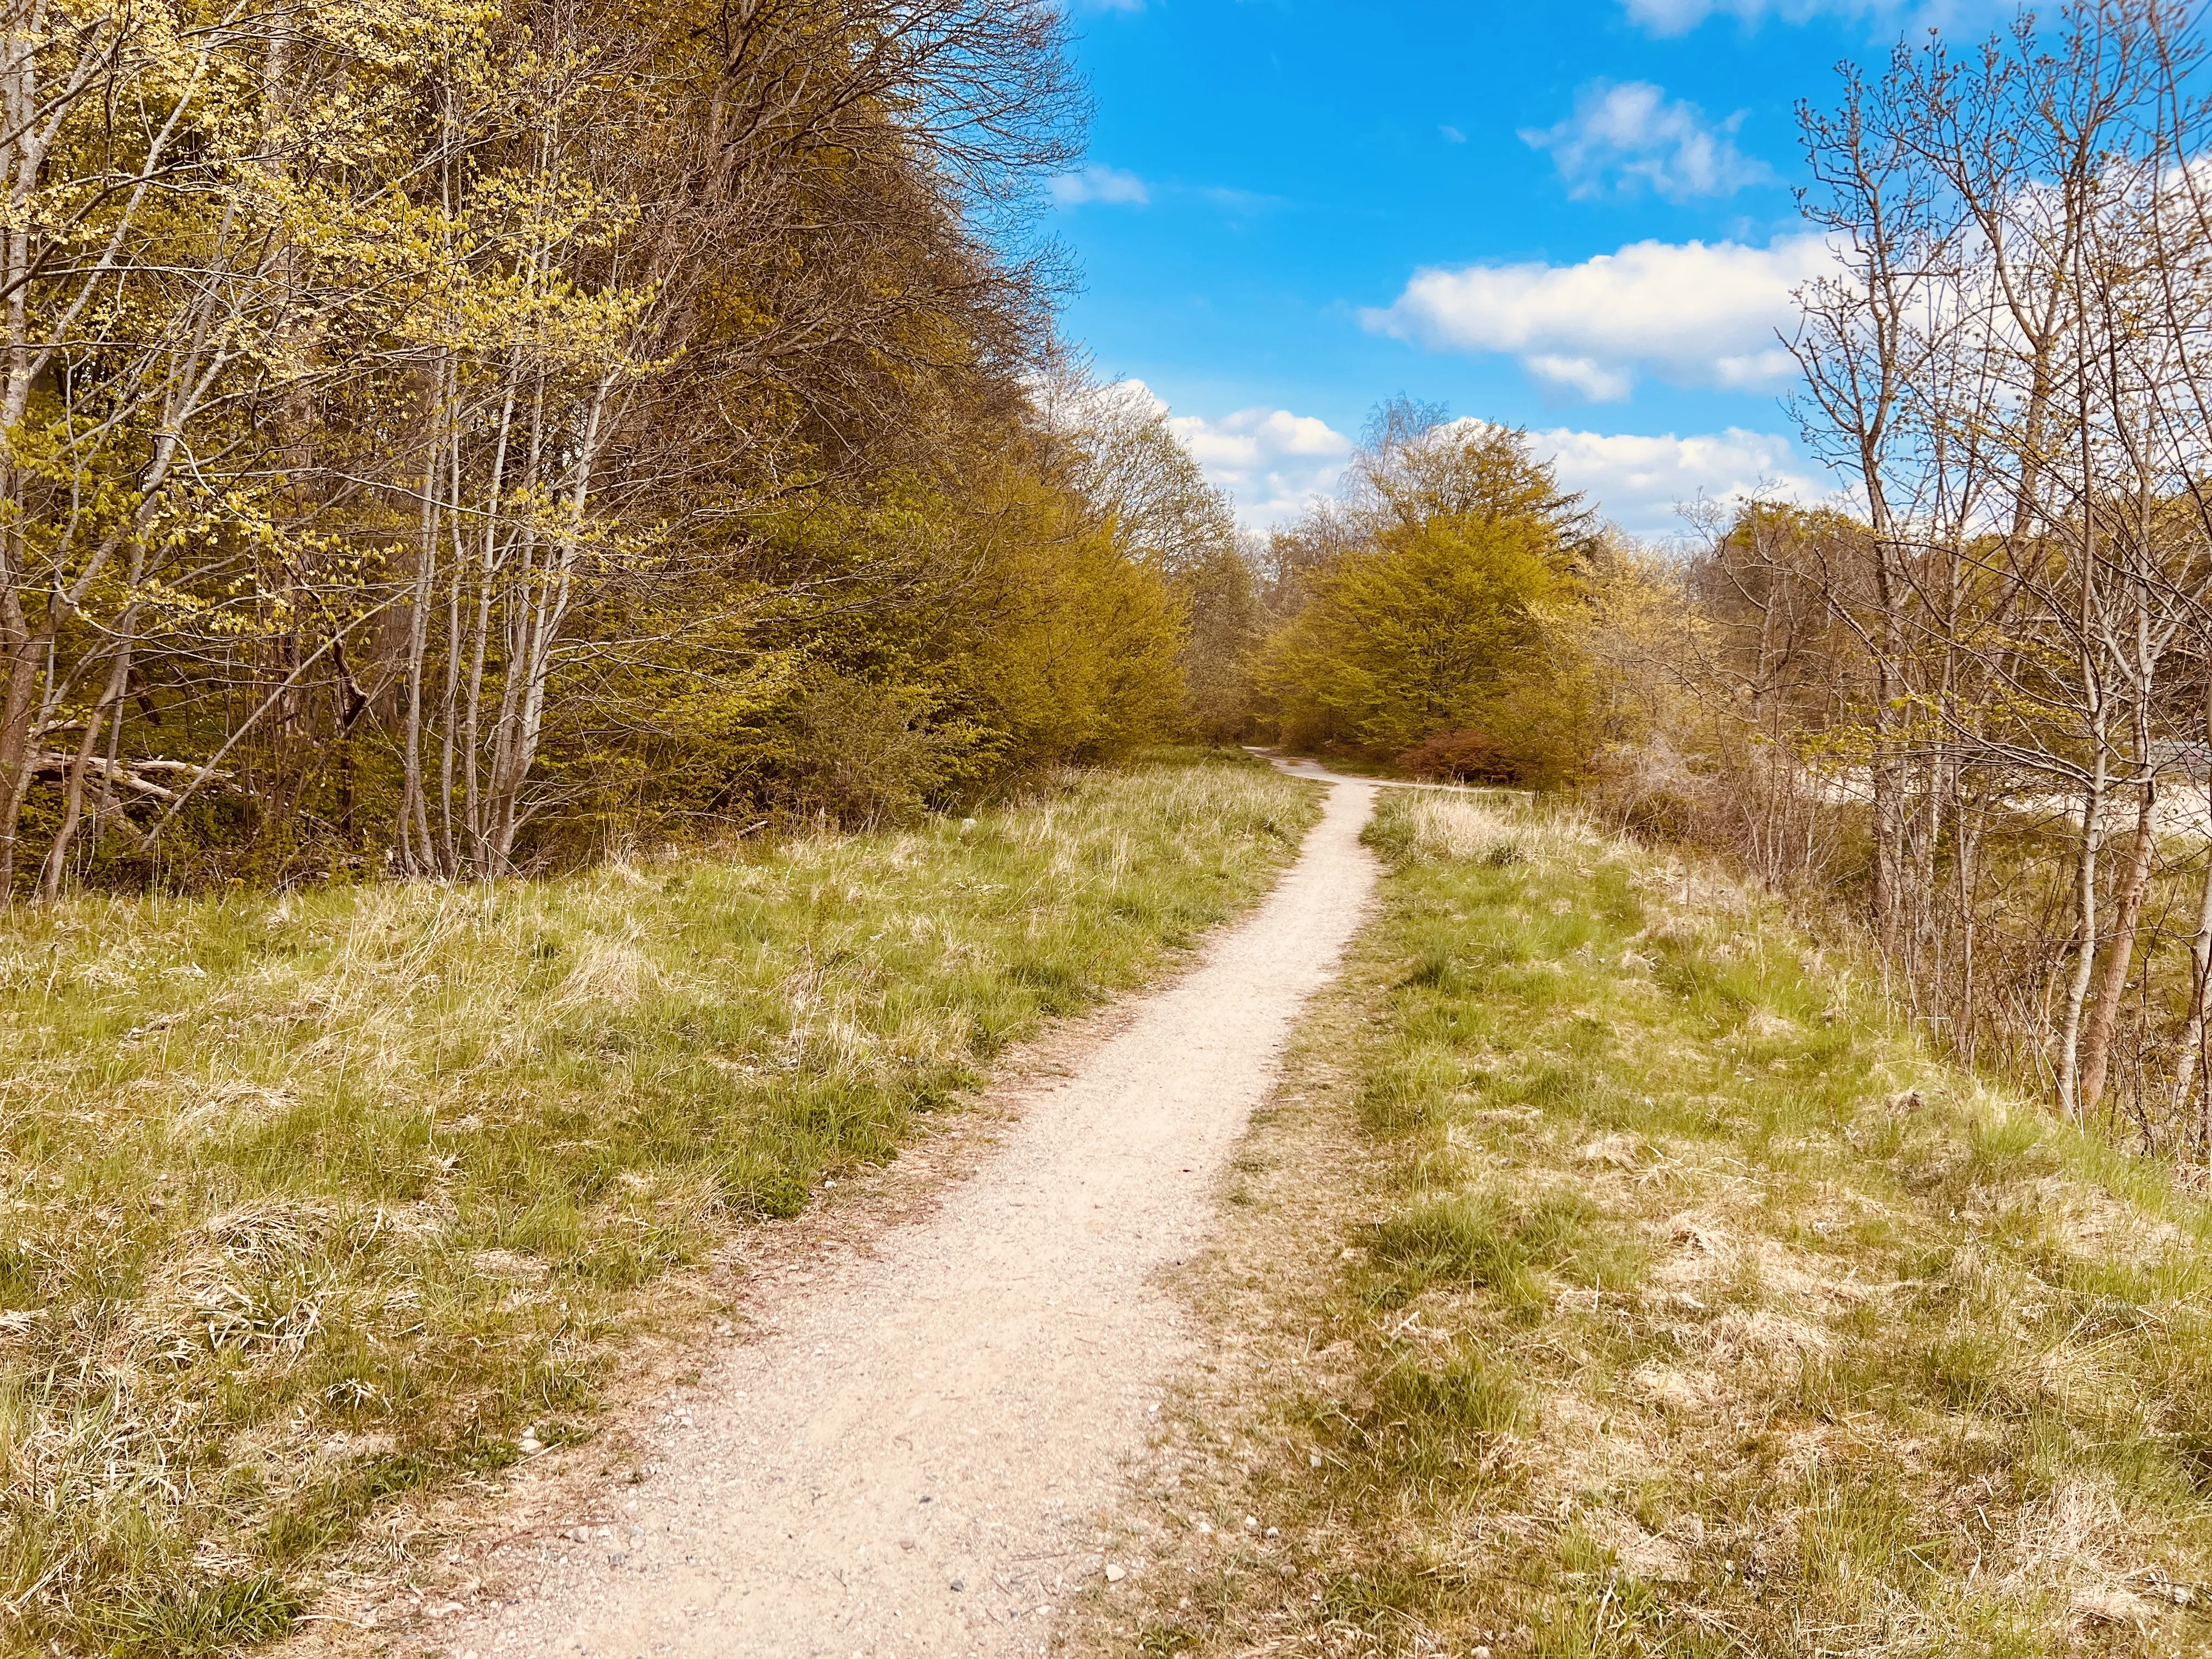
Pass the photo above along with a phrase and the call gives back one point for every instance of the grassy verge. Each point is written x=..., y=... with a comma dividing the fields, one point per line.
x=312, y=1201
x=1611, y=1279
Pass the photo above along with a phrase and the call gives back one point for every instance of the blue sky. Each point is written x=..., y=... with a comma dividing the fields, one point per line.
x=1575, y=217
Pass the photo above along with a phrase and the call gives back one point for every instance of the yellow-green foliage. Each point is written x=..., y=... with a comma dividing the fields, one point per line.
x=1075, y=657
x=468, y=547
x=310, y=1200
x=918, y=650
x=1454, y=612
x=1448, y=626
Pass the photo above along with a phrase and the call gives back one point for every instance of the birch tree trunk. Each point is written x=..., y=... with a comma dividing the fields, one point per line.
x=2112, y=980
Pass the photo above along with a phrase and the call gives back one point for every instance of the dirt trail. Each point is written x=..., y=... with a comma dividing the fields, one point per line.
x=912, y=1460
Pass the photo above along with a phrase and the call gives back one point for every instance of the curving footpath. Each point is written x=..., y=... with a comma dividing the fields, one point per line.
x=913, y=1461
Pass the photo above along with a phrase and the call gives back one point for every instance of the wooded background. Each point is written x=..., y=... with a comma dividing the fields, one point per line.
x=1967, y=705
x=1975, y=698
x=451, y=437
x=462, y=438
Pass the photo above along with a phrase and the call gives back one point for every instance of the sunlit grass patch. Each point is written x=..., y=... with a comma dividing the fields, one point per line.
x=1487, y=1239
x=311, y=1201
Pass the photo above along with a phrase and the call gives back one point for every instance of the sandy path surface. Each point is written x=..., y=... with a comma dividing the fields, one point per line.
x=914, y=1459
x=1297, y=766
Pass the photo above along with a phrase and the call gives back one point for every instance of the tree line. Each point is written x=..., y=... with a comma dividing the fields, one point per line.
x=476, y=436
x=448, y=439
x=1452, y=612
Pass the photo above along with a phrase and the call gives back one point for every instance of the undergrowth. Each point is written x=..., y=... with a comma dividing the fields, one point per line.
x=1669, y=1300
x=312, y=1201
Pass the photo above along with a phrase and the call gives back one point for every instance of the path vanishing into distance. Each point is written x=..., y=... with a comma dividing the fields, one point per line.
x=914, y=1454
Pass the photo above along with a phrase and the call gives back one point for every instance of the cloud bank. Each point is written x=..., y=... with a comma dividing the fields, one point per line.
x=1274, y=463
x=1671, y=17
x=1667, y=17
x=1696, y=314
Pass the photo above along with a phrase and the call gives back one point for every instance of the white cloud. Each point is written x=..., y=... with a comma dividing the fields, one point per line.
x=1274, y=464
x=1247, y=203
x=1271, y=462
x=1696, y=314
x=1116, y=187
x=1596, y=383
x=1667, y=17
x=1100, y=184
x=1639, y=482
x=1681, y=16
x=1629, y=137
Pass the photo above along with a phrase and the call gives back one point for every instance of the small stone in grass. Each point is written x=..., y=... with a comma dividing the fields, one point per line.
x=1314, y=1458
x=1115, y=1574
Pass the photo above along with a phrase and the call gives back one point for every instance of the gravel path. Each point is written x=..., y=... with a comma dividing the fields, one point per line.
x=914, y=1460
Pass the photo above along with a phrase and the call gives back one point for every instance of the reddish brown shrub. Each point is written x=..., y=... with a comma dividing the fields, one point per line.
x=1468, y=756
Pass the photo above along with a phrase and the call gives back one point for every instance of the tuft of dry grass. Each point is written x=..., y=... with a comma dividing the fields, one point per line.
x=311, y=1201
x=1613, y=1278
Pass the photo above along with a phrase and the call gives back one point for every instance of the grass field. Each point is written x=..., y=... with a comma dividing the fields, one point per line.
x=1612, y=1279
x=307, y=1201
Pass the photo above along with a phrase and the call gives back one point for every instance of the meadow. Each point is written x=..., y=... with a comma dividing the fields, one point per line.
x=312, y=1200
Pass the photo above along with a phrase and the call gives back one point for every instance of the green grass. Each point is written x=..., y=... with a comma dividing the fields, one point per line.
x=1678, y=1305
x=311, y=1201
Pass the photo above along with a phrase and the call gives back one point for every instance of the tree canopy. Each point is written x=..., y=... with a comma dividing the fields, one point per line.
x=1441, y=611
x=438, y=439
